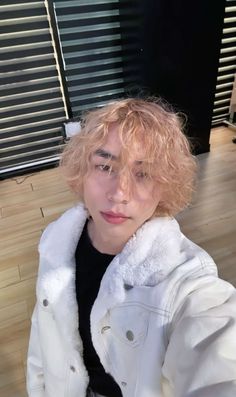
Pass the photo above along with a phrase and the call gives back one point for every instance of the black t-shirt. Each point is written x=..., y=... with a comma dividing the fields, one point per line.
x=90, y=268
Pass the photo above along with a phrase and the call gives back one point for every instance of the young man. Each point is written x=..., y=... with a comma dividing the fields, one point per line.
x=126, y=304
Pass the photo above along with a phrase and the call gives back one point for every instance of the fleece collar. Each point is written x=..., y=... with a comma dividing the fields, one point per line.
x=59, y=240
x=148, y=257
x=151, y=249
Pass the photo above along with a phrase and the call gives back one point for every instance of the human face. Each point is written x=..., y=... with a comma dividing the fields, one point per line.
x=117, y=211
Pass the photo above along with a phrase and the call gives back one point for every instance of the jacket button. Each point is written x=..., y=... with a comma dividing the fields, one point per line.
x=45, y=302
x=123, y=384
x=72, y=368
x=128, y=287
x=130, y=335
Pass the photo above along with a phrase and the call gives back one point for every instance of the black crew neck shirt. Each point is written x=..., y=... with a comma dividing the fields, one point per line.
x=90, y=268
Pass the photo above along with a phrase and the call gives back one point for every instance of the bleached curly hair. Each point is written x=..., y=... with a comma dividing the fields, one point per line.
x=150, y=123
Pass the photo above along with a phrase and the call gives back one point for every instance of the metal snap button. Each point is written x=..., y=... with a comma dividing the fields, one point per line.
x=129, y=335
x=127, y=287
x=45, y=302
x=72, y=368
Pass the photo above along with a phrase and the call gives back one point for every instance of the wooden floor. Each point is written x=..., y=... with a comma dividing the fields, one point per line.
x=29, y=203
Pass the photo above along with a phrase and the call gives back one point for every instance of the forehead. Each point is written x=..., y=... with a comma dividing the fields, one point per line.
x=117, y=145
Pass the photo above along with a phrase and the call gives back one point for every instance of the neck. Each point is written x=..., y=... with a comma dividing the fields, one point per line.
x=104, y=244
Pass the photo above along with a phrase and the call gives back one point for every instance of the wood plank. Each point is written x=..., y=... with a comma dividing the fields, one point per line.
x=15, y=338
x=57, y=207
x=18, y=209
x=24, y=255
x=10, y=315
x=27, y=225
x=8, y=187
x=203, y=215
x=11, y=368
x=9, y=275
x=20, y=223
x=30, y=305
x=12, y=221
x=9, y=199
x=21, y=291
x=209, y=231
x=54, y=180
x=14, y=389
x=19, y=243
x=42, y=202
x=40, y=176
x=30, y=269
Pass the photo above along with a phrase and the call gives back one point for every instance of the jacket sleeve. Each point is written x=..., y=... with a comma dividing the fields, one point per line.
x=200, y=360
x=35, y=376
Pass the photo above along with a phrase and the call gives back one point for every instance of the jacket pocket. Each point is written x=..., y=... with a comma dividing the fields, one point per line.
x=129, y=324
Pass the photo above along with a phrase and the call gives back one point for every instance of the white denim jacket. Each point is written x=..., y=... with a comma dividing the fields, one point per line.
x=163, y=323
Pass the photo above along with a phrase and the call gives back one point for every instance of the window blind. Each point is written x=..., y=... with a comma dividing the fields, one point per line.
x=227, y=65
x=93, y=50
x=32, y=108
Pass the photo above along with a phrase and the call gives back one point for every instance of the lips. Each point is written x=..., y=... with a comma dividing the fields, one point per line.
x=115, y=218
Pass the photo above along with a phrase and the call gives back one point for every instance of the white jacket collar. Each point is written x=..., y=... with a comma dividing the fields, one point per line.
x=59, y=240
x=146, y=259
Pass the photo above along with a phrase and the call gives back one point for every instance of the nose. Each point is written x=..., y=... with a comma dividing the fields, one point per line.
x=119, y=191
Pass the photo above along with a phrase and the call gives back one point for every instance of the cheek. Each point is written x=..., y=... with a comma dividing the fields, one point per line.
x=148, y=209
x=93, y=191
x=88, y=191
x=149, y=198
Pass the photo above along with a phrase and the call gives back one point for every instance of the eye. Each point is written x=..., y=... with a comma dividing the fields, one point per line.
x=104, y=168
x=141, y=175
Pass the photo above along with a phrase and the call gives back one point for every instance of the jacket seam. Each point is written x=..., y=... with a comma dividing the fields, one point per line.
x=163, y=312
x=37, y=388
x=173, y=293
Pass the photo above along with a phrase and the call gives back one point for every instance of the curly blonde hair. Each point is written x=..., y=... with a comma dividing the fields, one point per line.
x=155, y=126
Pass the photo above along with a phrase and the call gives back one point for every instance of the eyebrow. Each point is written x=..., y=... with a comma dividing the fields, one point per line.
x=107, y=155
x=104, y=154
